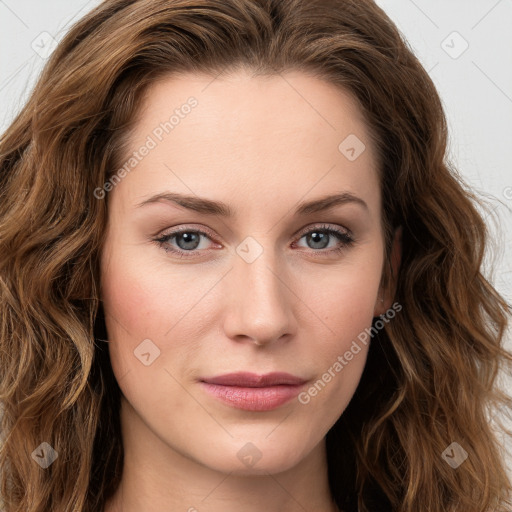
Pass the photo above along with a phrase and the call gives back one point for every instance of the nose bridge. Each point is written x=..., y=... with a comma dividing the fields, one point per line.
x=259, y=300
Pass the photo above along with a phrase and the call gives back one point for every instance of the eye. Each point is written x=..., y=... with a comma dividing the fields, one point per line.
x=188, y=240
x=320, y=236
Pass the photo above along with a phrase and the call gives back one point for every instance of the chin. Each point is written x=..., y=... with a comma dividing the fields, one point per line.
x=257, y=457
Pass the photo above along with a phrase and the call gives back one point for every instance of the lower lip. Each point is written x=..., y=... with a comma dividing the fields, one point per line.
x=253, y=399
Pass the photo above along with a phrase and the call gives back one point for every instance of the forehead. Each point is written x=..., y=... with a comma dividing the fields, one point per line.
x=244, y=101
x=253, y=133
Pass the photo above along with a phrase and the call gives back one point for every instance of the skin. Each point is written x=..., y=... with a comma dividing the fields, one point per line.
x=261, y=145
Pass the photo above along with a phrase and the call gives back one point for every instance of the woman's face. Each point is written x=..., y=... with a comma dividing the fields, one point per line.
x=265, y=289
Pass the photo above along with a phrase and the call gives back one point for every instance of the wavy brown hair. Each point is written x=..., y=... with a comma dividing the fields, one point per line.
x=431, y=373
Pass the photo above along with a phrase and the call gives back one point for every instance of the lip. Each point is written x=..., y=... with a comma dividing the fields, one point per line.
x=253, y=392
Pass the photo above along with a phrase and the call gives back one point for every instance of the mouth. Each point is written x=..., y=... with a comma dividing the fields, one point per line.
x=252, y=392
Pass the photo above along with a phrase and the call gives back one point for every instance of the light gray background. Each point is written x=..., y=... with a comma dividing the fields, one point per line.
x=475, y=84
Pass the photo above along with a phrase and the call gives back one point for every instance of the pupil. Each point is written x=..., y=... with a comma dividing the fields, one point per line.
x=186, y=236
x=322, y=236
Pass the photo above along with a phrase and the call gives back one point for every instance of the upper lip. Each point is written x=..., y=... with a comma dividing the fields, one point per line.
x=253, y=380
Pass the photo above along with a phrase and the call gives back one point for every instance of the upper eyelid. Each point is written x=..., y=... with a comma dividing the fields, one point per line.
x=326, y=226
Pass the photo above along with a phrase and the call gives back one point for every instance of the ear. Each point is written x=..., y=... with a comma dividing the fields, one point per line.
x=385, y=296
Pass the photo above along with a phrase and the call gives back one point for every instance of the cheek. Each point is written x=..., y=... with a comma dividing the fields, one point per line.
x=146, y=300
x=349, y=310
x=345, y=299
x=352, y=308
x=141, y=296
x=340, y=356
x=135, y=311
x=129, y=301
x=138, y=315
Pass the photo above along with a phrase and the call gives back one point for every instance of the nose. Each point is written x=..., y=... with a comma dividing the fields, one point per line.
x=260, y=303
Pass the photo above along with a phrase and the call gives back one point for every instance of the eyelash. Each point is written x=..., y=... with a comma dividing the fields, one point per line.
x=343, y=236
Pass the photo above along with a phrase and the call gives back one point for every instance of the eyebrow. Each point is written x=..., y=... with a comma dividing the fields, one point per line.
x=218, y=208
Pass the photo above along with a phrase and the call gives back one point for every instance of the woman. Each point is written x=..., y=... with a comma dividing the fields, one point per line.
x=238, y=273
